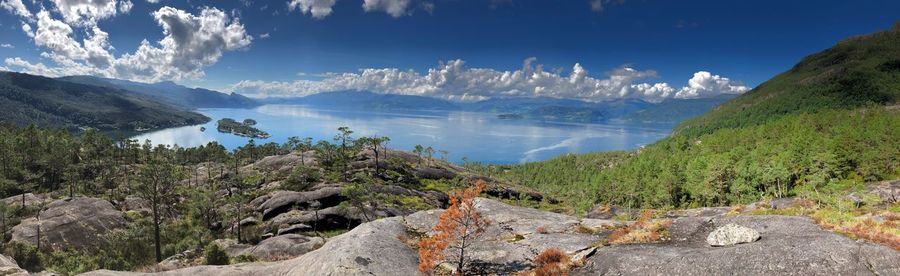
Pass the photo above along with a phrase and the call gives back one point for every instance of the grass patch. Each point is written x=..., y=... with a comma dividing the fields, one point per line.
x=645, y=230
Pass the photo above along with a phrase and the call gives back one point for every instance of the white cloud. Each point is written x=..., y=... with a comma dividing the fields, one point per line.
x=7, y=45
x=264, y=35
x=395, y=8
x=88, y=12
x=317, y=8
x=27, y=30
x=153, y=1
x=190, y=43
x=705, y=84
x=16, y=7
x=454, y=81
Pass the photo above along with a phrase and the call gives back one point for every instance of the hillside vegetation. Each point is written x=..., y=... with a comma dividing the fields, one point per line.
x=828, y=124
x=27, y=99
x=171, y=93
x=856, y=72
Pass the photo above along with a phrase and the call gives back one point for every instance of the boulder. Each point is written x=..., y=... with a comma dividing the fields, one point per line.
x=371, y=249
x=888, y=191
x=77, y=222
x=8, y=266
x=28, y=198
x=284, y=247
x=282, y=201
x=792, y=246
x=732, y=234
x=434, y=173
x=132, y=203
x=330, y=218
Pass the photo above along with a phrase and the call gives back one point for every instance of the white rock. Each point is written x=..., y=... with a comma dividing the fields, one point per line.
x=732, y=234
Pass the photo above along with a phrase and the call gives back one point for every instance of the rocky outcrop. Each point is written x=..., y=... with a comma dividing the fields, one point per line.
x=8, y=266
x=284, y=247
x=888, y=191
x=790, y=245
x=272, y=249
x=370, y=249
x=77, y=222
x=282, y=201
x=515, y=235
x=27, y=199
x=731, y=234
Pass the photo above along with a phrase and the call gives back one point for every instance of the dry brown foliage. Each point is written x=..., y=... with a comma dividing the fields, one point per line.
x=644, y=230
x=551, y=262
x=457, y=229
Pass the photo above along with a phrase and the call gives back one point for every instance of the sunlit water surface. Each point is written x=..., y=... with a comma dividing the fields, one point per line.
x=480, y=137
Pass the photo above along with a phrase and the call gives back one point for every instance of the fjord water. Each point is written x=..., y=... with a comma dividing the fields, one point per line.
x=480, y=137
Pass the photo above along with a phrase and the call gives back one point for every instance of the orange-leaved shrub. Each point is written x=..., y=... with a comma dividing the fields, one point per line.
x=457, y=229
x=551, y=262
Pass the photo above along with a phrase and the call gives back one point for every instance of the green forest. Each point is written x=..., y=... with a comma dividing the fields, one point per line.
x=829, y=123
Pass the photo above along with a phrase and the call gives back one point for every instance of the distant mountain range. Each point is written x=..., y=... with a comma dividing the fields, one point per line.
x=47, y=102
x=172, y=93
x=110, y=104
x=539, y=108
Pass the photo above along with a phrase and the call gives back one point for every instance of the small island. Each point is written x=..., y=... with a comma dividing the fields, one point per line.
x=244, y=129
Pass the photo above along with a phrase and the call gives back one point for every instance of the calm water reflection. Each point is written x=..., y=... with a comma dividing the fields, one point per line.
x=477, y=136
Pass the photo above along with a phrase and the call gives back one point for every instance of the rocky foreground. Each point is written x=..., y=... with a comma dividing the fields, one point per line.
x=786, y=245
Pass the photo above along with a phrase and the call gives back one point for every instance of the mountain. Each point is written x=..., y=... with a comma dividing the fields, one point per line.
x=46, y=102
x=675, y=111
x=367, y=100
x=172, y=93
x=858, y=71
x=533, y=108
x=828, y=125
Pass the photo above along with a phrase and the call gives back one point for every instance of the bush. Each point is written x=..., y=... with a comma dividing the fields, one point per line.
x=552, y=261
x=26, y=255
x=301, y=179
x=215, y=255
x=243, y=258
x=644, y=230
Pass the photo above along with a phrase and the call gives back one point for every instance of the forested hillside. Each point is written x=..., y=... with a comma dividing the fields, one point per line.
x=27, y=99
x=172, y=93
x=857, y=72
x=830, y=123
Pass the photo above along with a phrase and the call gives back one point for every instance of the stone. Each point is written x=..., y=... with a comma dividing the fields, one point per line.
x=78, y=222
x=732, y=234
x=282, y=201
x=284, y=247
x=8, y=266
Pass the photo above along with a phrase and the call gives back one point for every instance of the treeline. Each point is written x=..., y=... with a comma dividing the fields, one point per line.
x=795, y=155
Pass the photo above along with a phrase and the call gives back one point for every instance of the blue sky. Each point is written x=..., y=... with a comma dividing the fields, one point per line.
x=285, y=51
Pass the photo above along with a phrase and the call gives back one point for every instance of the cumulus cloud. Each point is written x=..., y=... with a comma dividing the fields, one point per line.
x=7, y=45
x=190, y=43
x=705, y=84
x=16, y=7
x=317, y=8
x=454, y=81
x=27, y=30
x=86, y=12
x=395, y=8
